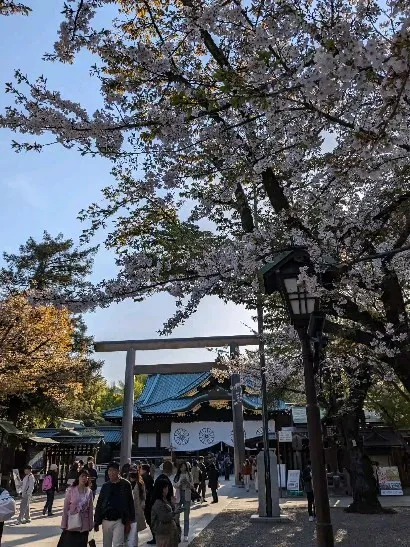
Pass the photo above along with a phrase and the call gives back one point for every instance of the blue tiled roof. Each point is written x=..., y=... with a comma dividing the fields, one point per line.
x=170, y=405
x=117, y=412
x=254, y=401
x=111, y=435
x=168, y=393
x=169, y=386
x=163, y=394
x=48, y=432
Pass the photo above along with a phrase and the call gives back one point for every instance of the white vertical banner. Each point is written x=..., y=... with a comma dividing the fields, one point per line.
x=281, y=475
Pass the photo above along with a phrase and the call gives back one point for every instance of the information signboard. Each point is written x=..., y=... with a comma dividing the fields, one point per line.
x=389, y=481
x=285, y=436
x=293, y=479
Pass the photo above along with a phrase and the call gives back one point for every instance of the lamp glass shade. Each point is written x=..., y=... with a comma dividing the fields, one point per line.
x=301, y=302
x=291, y=285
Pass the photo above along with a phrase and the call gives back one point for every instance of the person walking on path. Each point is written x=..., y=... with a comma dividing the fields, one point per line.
x=149, y=492
x=152, y=469
x=307, y=485
x=167, y=470
x=72, y=474
x=93, y=476
x=163, y=516
x=77, y=519
x=138, y=491
x=202, y=478
x=126, y=469
x=115, y=508
x=50, y=487
x=213, y=477
x=26, y=493
x=183, y=485
x=255, y=473
x=195, y=475
x=227, y=467
x=246, y=473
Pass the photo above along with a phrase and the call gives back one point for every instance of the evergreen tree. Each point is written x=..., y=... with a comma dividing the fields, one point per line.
x=54, y=263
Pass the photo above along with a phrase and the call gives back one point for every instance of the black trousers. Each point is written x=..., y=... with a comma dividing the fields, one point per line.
x=227, y=473
x=50, y=500
x=311, y=504
x=202, y=489
x=214, y=494
x=73, y=539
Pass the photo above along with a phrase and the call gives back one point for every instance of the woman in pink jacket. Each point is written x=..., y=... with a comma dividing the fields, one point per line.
x=78, y=501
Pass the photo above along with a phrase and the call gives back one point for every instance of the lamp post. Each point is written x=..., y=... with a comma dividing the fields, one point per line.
x=282, y=275
x=265, y=411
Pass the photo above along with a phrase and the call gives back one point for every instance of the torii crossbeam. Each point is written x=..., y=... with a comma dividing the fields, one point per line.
x=131, y=346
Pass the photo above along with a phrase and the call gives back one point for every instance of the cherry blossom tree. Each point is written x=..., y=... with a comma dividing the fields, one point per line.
x=237, y=129
x=8, y=7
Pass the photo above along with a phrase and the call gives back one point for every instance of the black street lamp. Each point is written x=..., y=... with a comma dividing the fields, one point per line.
x=282, y=275
x=265, y=410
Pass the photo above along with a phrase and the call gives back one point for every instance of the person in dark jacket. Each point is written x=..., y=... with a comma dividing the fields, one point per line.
x=167, y=470
x=72, y=474
x=202, y=477
x=307, y=485
x=163, y=516
x=126, y=469
x=149, y=490
x=93, y=476
x=115, y=507
x=213, y=478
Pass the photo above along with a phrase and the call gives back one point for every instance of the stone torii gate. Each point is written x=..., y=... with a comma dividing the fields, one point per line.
x=131, y=369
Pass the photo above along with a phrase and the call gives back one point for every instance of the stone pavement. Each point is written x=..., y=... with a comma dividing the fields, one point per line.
x=232, y=527
x=344, y=501
x=227, y=524
x=45, y=531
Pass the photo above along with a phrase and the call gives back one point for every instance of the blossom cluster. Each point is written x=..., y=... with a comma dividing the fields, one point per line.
x=238, y=129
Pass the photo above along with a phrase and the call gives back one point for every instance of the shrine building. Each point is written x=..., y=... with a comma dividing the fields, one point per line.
x=188, y=414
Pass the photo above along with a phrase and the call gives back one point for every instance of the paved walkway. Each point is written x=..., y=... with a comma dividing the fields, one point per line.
x=45, y=531
x=232, y=513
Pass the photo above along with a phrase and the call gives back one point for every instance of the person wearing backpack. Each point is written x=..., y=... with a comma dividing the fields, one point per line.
x=307, y=484
x=49, y=488
x=7, y=508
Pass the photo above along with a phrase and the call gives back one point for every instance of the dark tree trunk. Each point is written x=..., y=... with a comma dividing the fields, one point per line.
x=364, y=485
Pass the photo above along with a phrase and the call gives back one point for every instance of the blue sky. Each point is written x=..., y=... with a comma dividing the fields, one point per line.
x=46, y=191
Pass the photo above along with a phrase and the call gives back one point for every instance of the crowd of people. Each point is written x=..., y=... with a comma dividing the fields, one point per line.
x=131, y=499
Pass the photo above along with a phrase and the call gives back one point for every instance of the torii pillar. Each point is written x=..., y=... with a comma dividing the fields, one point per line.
x=237, y=420
x=128, y=408
x=131, y=346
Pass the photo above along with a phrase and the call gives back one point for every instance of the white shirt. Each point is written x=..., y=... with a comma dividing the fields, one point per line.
x=28, y=485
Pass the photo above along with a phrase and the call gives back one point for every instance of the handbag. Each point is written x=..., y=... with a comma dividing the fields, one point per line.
x=7, y=505
x=194, y=495
x=74, y=522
